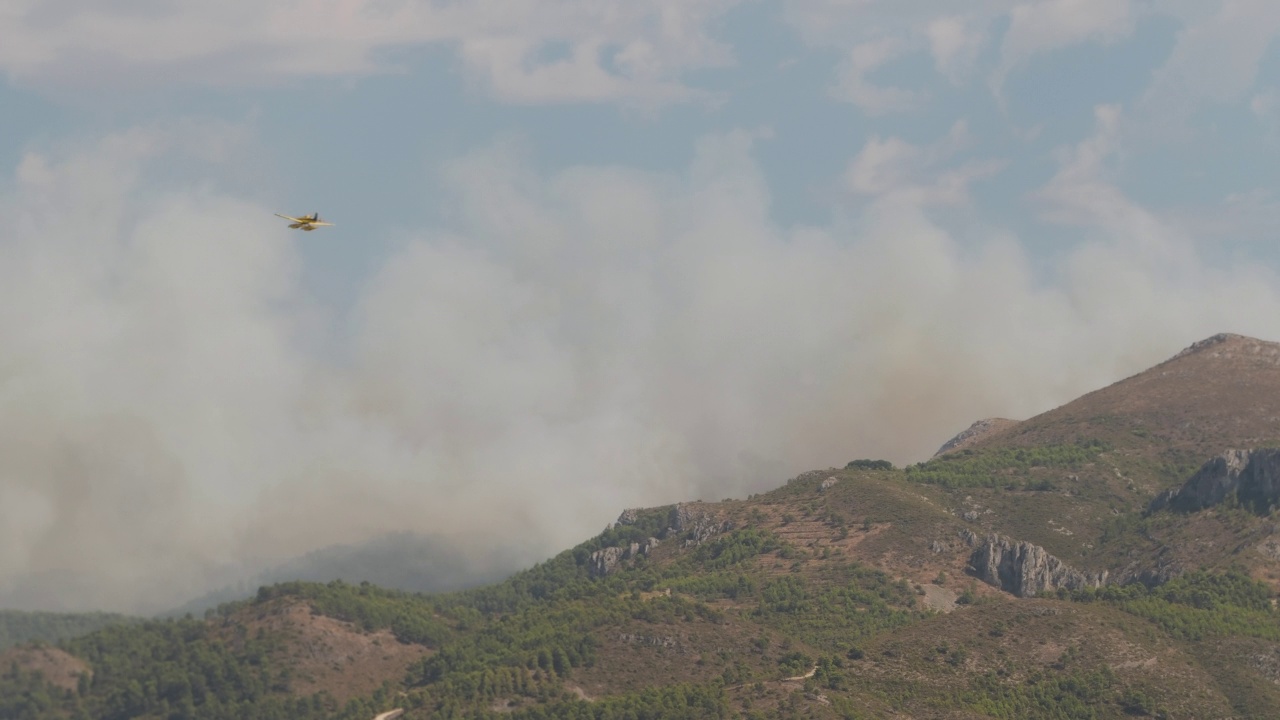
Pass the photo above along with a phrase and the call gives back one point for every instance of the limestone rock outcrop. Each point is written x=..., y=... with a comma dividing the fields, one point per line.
x=695, y=524
x=606, y=560
x=698, y=525
x=1025, y=569
x=1253, y=475
x=664, y=641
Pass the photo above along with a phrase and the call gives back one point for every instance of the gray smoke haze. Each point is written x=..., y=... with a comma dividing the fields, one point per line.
x=403, y=560
x=173, y=416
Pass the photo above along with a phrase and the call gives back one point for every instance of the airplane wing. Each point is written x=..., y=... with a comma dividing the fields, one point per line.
x=318, y=223
x=286, y=217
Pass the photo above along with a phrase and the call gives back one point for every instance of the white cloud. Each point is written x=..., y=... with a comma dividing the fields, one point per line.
x=1047, y=25
x=955, y=36
x=1085, y=193
x=1081, y=192
x=1236, y=221
x=955, y=44
x=145, y=354
x=832, y=23
x=619, y=51
x=1147, y=254
x=577, y=342
x=1215, y=60
x=1265, y=105
x=894, y=169
x=853, y=86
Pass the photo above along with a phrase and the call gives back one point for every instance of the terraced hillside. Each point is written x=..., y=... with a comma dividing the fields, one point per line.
x=1025, y=574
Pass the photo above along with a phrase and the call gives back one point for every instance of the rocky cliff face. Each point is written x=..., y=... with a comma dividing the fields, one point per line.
x=1024, y=569
x=1253, y=475
x=1164, y=569
x=606, y=560
x=697, y=525
x=693, y=523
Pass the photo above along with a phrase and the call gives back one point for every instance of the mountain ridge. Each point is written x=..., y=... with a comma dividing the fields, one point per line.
x=414, y=562
x=1024, y=573
x=1207, y=379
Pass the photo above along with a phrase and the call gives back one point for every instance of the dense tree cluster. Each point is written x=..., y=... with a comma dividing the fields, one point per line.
x=412, y=618
x=869, y=465
x=26, y=694
x=172, y=669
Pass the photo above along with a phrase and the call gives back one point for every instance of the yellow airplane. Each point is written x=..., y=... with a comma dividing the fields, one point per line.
x=306, y=222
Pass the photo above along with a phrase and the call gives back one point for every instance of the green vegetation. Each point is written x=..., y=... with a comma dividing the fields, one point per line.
x=26, y=694
x=731, y=549
x=869, y=465
x=18, y=627
x=176, y=669
x=726, y=627
x=1197, y=605
x=835, y=615
x=1075, y=695
x=652, y=522
x=516, y=643
x=367, y=606
x=675, y=702
x=1004, y=467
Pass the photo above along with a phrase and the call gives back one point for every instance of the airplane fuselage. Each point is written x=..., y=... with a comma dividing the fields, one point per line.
x=306, y=222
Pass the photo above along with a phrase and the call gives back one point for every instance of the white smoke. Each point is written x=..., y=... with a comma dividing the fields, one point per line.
x=572, y=344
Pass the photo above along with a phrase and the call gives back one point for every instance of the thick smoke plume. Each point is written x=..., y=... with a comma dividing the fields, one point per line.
x=174, y=414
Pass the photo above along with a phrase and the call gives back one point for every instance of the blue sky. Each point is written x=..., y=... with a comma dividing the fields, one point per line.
x=588, y=254
x=366, y=139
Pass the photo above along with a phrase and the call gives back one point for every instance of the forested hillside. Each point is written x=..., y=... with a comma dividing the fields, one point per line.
x=17, y=627
x=1001, y=579
x=746, y=630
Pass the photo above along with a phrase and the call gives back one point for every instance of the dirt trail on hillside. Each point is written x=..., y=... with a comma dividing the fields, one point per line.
x=805, y=676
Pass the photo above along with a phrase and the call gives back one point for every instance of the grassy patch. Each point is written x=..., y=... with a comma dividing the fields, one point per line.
x=1197, y=605
x=1004, y=467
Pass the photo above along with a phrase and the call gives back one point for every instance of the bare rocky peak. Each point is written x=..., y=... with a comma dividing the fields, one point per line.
x=1221, y=392
x=1224, y=344
x=975, y=431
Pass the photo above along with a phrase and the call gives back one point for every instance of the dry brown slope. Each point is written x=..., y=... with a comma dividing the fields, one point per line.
x=975, y=432
x=1023, y=642
x=1160, y=425
x=922, y=670
x=60, y=668
x=324, y=653
x=1221, y=392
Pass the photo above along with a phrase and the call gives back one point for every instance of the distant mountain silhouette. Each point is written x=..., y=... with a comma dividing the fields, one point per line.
x=403, y=561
